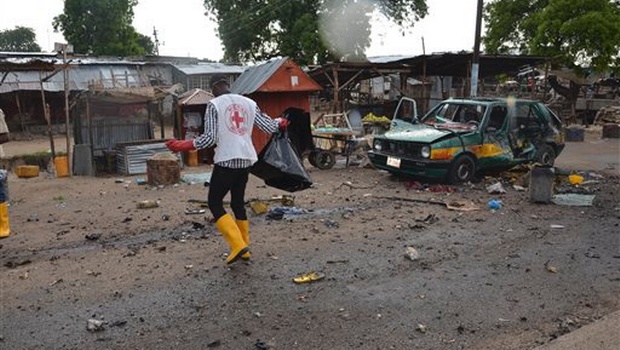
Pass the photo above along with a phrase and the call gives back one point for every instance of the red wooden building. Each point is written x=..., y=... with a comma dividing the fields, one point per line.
x=275, y=85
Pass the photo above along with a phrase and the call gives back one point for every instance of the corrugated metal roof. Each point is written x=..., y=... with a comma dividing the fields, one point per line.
x=254, y=77
x=387, y=58
x=195, y=97
x=209, y=68
x=80, y=76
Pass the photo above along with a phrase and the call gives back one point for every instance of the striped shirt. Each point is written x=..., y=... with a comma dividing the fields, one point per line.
x=209, y=137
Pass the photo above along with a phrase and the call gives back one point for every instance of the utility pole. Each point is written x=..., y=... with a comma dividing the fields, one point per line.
x=156, y=41
x=475, y=62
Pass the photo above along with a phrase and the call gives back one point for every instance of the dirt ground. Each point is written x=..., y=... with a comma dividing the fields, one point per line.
x=514, y=278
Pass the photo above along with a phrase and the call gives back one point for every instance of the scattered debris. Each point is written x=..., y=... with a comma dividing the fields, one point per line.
x=558, y=227
x=309, y=277
x=259, y=208
x=189, y=211
x=118, y=324
x=575, y=179
x=94, y=325
x=344, y=261
x=331, y=223
x=12, y=264
x=452, y=205
x=496, y=188
x=199, y=178
x=412, y=254
x=141, y=181
x=550, y=267
x=429, y=219
x=421, y=328
x=441, y=188
x=494, y=204
x=461, y=206
x=519, y=188
x=56, y=282
x=214, y=344
x=351, y=185
x=24, y=276
x=574, y=199
x=147, y=204
x=92, y=236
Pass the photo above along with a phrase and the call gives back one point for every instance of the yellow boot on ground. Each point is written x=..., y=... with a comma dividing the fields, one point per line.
x=231, y=233
x=244, y=227
x=5, y=228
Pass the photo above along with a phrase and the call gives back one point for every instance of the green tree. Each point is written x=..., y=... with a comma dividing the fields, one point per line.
x=574, y=33
x=20, y=39
x=145, y=42
x=101, y=27
x=309, y=31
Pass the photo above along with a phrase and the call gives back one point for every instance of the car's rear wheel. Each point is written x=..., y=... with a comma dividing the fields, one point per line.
x=462, y=169
x=545, y=154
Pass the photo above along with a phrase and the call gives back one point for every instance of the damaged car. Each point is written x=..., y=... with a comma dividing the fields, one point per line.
x=460, y=138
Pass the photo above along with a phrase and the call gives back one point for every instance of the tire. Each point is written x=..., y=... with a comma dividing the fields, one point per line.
x=312, y=158
x=545, y=154
x=324, y=159
x=463, y=169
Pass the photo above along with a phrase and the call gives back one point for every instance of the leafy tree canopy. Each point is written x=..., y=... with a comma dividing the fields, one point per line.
x=20, y=39
x=582, y=33
x=309, y=31
x=102, y=27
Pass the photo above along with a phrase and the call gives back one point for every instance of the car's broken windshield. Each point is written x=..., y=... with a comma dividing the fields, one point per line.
x=455, y=115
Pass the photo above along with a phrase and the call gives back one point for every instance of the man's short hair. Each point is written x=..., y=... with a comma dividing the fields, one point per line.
x=219, y=79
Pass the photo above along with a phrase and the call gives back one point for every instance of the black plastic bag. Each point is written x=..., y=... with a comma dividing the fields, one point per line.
x=280, y=167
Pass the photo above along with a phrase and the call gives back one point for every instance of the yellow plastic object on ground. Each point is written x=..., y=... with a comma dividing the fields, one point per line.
x=26, y=171
x=575, y=179
x=309, y=277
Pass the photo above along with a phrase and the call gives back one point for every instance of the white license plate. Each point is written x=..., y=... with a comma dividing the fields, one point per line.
x=394, y=162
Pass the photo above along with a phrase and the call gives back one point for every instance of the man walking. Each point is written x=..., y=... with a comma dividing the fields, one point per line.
x=228, y=124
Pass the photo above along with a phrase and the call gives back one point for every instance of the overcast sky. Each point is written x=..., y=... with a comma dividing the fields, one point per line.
x=184, y=30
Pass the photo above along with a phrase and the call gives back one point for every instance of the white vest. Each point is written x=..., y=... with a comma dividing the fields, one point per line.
x=235, y=120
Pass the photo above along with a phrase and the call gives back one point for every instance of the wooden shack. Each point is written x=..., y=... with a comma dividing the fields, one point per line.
x=275, y=85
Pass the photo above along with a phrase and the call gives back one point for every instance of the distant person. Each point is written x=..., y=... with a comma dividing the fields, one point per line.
x=228, y=124
x=5, y=228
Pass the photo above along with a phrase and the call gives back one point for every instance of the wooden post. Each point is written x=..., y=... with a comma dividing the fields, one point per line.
x=66, y=85
x=336, y=108
x=19, y=110
x=161, y=118
x=46, y=114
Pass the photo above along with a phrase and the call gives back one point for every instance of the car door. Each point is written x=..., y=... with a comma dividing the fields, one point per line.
x=496, y=150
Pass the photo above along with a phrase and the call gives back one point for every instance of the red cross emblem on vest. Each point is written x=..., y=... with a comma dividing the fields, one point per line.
x=236, y=118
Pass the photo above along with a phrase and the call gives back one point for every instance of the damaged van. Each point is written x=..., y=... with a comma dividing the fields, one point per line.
x=459, y=138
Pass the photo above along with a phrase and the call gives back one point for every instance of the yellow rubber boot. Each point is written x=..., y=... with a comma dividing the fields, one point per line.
x=5, y=228
x=227, y=226
x=244, y=227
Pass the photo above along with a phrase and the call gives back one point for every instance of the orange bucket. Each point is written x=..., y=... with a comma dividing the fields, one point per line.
x=61, y=163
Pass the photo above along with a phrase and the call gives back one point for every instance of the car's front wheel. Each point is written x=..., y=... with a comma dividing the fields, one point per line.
x=545, y=154
x=462, y=169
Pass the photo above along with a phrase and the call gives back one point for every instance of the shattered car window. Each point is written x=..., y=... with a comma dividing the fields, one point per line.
x=455, y=115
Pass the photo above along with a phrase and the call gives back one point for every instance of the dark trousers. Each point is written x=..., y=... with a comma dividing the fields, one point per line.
x=224, y=180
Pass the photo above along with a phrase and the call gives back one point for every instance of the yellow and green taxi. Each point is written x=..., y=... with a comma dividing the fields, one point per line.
x=461, y=137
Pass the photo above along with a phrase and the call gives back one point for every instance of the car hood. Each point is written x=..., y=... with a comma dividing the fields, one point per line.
x=419, y=133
